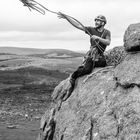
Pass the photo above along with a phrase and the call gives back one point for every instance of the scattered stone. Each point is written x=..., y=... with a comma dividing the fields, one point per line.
x=95, y=134
x=12, y=126
x=37, y=117
x=26, y=116
x=102, y=92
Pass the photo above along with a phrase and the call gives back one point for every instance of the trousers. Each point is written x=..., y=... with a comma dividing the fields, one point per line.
x=87, y=68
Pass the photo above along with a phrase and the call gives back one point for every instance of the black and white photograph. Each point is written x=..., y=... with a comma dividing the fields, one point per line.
x=70, y=70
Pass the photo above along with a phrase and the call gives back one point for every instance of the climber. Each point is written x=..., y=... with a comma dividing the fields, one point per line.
x=100, y=38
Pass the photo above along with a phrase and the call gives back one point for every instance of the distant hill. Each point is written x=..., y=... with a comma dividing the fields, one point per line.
x=45, y=53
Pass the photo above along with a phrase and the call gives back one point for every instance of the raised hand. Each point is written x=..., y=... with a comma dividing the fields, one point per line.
x=61, y=15
x=94, y=37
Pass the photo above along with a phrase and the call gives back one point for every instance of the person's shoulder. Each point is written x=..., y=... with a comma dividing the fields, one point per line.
x=90, y=27
x=107, y=31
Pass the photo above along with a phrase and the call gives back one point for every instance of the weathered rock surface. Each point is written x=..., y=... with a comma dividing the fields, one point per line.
x=102, y=109
x=105, y=106
x=132, y=38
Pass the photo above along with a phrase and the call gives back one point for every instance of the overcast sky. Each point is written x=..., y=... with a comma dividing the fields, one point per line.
x=21, y=28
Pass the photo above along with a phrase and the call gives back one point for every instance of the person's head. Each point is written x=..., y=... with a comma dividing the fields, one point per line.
x=100, y=21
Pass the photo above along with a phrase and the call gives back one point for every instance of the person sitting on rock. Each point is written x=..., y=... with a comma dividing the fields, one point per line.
x=100, y=38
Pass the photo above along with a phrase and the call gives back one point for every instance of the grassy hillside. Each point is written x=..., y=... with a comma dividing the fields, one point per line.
x=27, y=79
x=11, y=62
x=40, y=52
x=26, y=91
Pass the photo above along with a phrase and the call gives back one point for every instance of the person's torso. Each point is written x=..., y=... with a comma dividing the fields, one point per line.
x=93, y=31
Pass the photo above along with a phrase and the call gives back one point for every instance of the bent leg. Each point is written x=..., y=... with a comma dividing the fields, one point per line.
x=82, y=70
x=86, y=68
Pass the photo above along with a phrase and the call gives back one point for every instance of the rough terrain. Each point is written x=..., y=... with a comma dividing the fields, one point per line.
x=26, y=84
x=104, y=105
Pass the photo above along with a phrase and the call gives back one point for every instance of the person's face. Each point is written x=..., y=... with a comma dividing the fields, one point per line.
x=99, y=23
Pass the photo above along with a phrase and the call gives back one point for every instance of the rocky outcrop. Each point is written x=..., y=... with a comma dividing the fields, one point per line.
x=132, y=38
x=128, y=72
x=103, y=106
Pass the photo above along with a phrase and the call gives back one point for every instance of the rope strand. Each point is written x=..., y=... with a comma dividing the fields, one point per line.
x=32, y=4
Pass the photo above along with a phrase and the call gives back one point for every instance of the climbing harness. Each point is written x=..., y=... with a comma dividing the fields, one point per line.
x=92, y=50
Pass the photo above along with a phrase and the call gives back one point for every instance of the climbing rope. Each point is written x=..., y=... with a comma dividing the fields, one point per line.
x=32, y=4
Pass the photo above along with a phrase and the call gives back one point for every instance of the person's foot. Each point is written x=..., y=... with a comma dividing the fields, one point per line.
x=69, y=90
x=59, y=90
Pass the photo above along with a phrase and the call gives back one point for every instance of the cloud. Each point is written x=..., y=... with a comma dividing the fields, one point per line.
x=40, y=36
x=19, y=24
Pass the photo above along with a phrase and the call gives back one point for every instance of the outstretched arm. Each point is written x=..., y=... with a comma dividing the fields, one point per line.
x=72, y=21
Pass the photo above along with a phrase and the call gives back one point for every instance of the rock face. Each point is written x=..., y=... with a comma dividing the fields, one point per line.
x=115, y=56
x=132, y=38
x=128, y=72
x=105, y=107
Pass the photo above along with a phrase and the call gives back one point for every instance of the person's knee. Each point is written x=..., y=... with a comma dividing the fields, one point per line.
x=88, y=69
x=100, y=63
